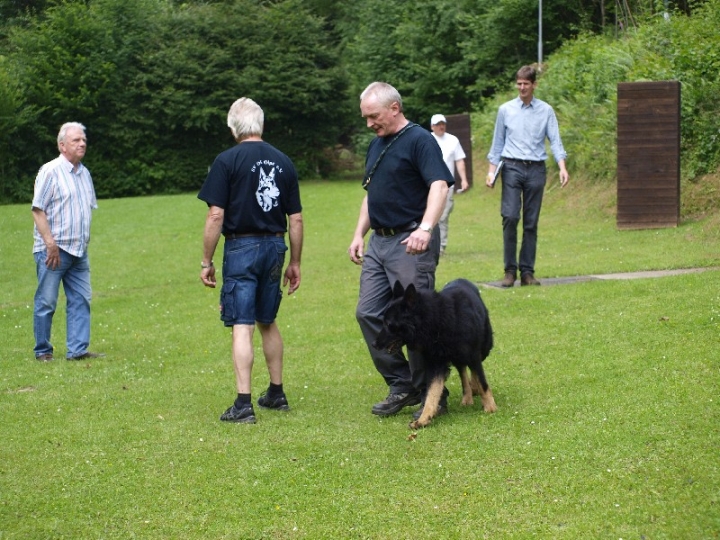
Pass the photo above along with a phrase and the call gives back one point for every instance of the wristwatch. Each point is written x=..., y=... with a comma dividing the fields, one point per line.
x=425, y=227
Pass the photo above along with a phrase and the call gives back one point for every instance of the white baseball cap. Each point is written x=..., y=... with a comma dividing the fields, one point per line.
x=436, y=119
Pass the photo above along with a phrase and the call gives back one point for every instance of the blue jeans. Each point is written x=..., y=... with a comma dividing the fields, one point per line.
x=74, y=273
x=252, y=270
x=386, y=261
x=522, y=188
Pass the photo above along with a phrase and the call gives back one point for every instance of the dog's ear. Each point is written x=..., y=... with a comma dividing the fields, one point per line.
x=398, y=290
x=411, y=294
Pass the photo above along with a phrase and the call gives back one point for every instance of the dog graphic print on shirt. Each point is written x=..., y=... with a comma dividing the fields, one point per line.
x=267, y=192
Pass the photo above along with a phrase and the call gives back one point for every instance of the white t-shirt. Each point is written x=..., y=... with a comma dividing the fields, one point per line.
x=451, y=150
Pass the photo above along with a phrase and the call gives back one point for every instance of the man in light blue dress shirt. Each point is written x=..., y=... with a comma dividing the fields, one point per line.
x=62, y=208
x=521, y=127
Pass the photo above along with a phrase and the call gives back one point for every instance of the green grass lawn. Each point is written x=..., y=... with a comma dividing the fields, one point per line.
x=608, y=391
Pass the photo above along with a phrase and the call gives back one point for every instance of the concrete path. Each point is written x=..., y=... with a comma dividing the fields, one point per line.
x=626, y=275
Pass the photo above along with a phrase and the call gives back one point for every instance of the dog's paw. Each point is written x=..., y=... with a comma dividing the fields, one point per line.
x=417, y=425
x=489, y=406
x=488, y=402
x=466, y=401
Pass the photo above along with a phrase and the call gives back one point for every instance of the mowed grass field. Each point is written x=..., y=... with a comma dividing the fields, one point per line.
x=608, y=390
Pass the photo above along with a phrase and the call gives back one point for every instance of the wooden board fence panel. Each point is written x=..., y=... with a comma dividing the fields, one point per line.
x=459, y=125
x=648, y=155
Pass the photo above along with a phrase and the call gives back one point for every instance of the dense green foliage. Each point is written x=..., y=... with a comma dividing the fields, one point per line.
x=447, y=53
x=153, y=84
x=153, y=79
x=580, y=81
x=683, y=49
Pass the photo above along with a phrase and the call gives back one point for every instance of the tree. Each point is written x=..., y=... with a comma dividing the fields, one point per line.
x=16, y=121
x=81, y=64
x=449, y=54
x=209, y=55
x=153, y=82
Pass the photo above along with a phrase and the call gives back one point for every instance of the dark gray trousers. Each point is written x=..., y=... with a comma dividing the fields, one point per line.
x=385, y=262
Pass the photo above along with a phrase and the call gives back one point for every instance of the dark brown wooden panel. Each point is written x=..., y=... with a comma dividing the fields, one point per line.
x=459, y=125
x=648, y=155
x=648, y=199
x=647, y=125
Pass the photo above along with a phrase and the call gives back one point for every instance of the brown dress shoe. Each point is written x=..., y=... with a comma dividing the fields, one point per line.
x=528, y=279
x=508, y=280
x=44, y=357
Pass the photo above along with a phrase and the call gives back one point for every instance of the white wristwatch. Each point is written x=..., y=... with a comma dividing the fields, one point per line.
x=425, y=227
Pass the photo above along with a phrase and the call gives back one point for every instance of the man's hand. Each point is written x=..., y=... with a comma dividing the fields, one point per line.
x=489, y=179
x=52, y=261
x=357, y=249
x=292, y=276
x=564, y=177
x=417, y=242
x=207, y=276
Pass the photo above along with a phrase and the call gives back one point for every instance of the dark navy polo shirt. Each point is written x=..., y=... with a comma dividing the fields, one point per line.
x=398, y=189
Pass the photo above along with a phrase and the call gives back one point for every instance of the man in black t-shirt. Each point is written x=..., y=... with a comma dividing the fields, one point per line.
x=407, y=182
x=251, y=191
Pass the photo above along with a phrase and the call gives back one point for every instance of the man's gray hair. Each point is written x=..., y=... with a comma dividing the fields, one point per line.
x=64, y=128
x=386, y=94
x=245, y=119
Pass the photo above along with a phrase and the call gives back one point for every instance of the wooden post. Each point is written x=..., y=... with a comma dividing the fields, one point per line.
x=648, y=155
x=459, y=125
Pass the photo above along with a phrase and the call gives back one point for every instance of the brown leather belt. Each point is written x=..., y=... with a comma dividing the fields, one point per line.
x=233, y=236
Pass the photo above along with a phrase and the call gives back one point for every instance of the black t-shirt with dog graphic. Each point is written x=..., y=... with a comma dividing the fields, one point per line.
x=257, y=186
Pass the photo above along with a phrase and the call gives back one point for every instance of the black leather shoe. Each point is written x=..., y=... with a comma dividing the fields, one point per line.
x=394, y=403
x=245, y=415
x=279, y=403
x=87, y=356
x=47, y=357
x=528, y=279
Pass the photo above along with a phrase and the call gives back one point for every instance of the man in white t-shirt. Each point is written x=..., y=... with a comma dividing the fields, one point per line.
x=454, y=158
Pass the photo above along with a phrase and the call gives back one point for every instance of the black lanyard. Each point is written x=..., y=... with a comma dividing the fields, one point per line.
x=366, y=182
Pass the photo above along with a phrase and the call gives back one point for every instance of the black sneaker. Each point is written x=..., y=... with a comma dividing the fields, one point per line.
x=245, y=415
x=279, y=403
x=87, y=356
x=442, y=409
x=394, y=403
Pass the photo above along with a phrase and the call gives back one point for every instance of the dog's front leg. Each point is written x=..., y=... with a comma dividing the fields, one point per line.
x=488, y=401
x=432, y=400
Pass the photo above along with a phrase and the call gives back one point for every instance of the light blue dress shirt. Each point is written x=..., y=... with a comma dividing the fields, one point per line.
x=521, y=130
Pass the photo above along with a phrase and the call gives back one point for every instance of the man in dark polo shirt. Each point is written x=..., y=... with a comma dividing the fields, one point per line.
x=407, y=182
x=251, y=191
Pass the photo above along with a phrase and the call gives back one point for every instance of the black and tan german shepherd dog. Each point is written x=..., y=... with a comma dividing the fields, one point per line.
x=451, y=327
